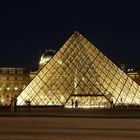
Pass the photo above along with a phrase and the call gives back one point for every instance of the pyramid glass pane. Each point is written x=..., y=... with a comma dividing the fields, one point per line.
x=80, y=75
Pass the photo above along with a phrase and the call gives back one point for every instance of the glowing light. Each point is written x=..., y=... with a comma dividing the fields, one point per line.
x=8, y=88
x=130, y=70
x=2, y=100
x=44, y=60
x=62, y=98
x=59, y=61
x=75, y=84
x=46, y=56
x=87, y=106
x=83, y=79
x=16, y=88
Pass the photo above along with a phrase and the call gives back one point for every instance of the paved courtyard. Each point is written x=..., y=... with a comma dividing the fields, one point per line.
x=70, y=128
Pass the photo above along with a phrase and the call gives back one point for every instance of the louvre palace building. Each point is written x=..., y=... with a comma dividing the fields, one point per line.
x=77, y=75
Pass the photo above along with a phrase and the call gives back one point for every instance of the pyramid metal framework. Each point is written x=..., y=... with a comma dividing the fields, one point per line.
x=80, y=74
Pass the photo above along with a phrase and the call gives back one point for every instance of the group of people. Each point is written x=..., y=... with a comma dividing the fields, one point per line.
x=72, y=103
x=14, y=104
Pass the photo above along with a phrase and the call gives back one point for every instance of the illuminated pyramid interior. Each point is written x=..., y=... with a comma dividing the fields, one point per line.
x=80, y=74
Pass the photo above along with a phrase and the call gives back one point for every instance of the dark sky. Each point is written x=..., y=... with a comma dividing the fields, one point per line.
x=28, y=28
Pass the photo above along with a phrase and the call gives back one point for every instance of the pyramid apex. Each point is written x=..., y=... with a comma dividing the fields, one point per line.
x=76, y=34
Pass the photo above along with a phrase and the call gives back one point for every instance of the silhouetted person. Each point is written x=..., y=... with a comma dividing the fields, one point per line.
x=28, y=105
x=13, y=104
x=76, y=104
x=72, y=103
x=111, y=104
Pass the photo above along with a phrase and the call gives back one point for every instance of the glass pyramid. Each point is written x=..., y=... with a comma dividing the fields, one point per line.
x=80, y=75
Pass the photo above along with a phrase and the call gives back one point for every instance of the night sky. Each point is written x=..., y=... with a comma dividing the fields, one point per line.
x=28, y=28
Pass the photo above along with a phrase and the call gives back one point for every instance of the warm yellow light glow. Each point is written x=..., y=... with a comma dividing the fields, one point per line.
x=2, y=100
x=59, y=61
x=86, y=106
x=8, y=88
x=16, y=88
x=79, y=75
x=62, y=99
x=44, y=60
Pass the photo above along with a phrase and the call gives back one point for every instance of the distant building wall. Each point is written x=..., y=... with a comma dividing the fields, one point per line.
x=12, y=82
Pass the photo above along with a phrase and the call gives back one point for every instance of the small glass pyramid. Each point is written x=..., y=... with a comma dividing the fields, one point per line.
x=80, y=75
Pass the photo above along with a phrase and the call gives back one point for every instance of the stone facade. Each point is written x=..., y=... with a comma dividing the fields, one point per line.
x=12, y=82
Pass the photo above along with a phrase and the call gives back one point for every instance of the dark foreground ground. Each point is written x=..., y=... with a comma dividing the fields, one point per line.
x=70, y=124
x=72, y=112
x=59, y=128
